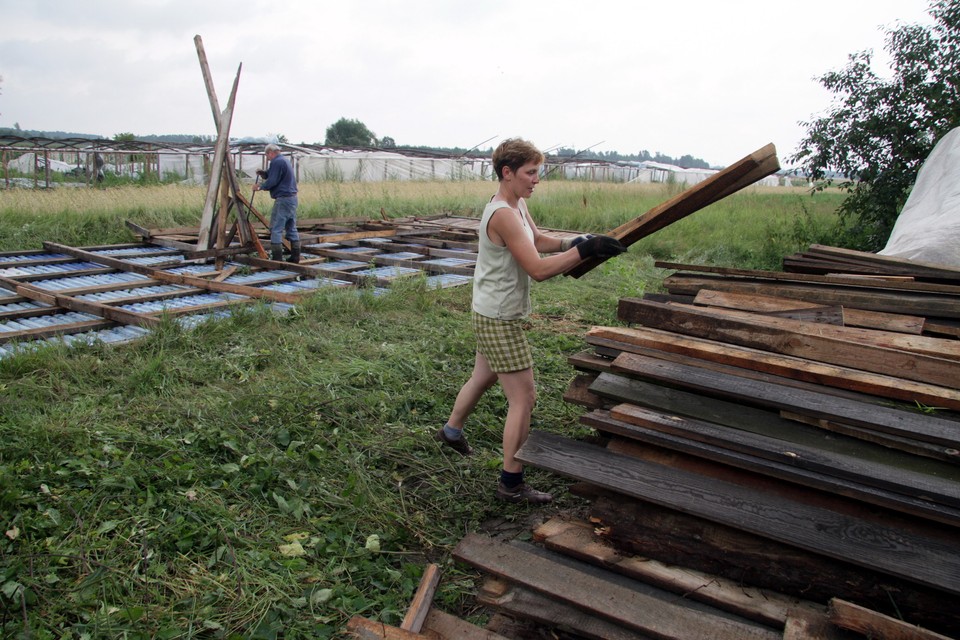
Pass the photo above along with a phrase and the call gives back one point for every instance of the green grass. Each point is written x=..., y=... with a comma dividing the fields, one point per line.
x=265, y=476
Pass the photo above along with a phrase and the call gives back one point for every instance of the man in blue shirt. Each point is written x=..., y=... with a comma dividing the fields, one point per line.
x=281, y=183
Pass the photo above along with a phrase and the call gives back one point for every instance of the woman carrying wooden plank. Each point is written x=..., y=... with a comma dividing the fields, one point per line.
x=510, y=248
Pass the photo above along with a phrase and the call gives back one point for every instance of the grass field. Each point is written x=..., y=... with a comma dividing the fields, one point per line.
x=268, y=477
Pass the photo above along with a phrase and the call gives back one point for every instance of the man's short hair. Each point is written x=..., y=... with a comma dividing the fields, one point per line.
x=271, y=147
x=514, y=153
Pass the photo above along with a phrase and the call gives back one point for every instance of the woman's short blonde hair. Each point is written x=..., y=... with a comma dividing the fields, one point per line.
x=514, y=153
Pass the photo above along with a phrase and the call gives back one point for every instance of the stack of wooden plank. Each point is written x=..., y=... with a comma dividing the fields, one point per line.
x=789, y=432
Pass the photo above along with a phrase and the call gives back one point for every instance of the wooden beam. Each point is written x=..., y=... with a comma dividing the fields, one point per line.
x=742, y=173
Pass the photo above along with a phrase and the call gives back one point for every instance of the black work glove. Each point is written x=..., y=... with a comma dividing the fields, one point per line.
x=263, y=174
x=569, y=243
x=600, y=247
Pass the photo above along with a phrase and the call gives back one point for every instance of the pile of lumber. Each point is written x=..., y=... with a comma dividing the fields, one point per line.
x=777, y=454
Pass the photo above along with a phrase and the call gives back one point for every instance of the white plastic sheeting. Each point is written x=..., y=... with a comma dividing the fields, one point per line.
x=928, y=227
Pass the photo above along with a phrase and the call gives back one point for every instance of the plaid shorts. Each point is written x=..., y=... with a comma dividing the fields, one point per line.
x=502, y=343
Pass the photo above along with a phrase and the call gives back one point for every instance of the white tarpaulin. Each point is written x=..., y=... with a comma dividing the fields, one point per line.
x=928, y=227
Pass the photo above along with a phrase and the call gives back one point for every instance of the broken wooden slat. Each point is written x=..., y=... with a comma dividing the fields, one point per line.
x=876, y=625
x=366, y=629
x=804, y=625
x=921, y=558
x=450, y=627
x=637, y=608
x=922, y=345
x=420, y=606
x=907, y=445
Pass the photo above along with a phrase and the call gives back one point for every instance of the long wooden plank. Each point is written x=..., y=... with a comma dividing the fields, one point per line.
x=772, y=304
x=757, y=333
x=916, y=485
x=905, y=444
x=832, y=280
x=886, y=299
x=919, y=558
x=742, y=173
x=926, y=345
x=525, y=604
x=646, y=610
x=928, y=269
x=787, y=429
x=888, y=420
x=792, y=367
x=778, y=470
x=577, y=539
x=876, y=625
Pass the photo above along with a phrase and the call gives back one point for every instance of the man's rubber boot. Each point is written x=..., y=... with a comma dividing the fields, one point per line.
x=276, y=252
x=294, y=252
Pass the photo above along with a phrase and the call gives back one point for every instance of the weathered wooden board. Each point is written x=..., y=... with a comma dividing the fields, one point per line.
x=899, y=422
x=924, y=488
x=798, y=476
x=642, y=608
x=786, y=429
x=924, y=559
x=787, y=366
x=526, y=604
x=577, y=539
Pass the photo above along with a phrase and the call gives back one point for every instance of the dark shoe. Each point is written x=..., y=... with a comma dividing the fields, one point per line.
x=276, y=252
x=294, y=253
x=522, y=493
x=460, y=446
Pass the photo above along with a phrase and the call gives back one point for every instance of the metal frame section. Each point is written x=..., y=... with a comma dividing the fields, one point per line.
x=117, y=293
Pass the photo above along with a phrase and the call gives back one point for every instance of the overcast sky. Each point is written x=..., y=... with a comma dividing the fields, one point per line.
x=713, y=79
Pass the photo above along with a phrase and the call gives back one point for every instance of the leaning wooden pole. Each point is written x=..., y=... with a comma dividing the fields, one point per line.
x=756, y=166
x=216, y=169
